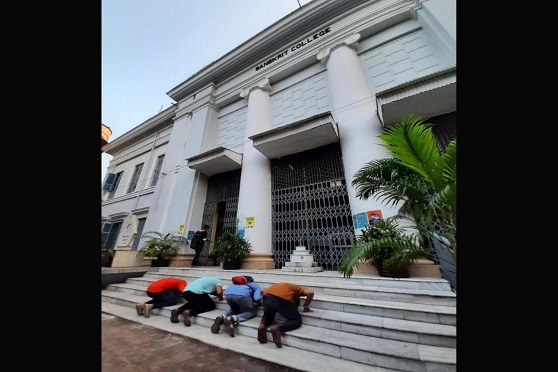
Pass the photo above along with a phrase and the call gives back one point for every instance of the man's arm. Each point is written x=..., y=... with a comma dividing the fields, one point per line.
x=219, y=292
x=309, y=296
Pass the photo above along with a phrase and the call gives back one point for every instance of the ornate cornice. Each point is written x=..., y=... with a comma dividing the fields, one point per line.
x=144, y=130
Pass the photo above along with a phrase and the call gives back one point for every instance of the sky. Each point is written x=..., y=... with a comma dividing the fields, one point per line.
x=150, y=46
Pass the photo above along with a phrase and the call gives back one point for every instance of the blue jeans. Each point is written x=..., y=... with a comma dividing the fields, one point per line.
x=272, y=305
x=162, y=299
x=241, y=306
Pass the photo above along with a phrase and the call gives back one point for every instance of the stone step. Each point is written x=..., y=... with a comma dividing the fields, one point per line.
x=356, y=323
x=435, y=314
x=287, y=356
x=365, y=350
x=330, y=286
x=331, y=277
x=393, y=324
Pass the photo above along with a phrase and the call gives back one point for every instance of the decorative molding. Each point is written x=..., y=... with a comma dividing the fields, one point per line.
x=350, y=41
x=180, y=114
x=152, y=126
x=118, y=216
x=262, y=84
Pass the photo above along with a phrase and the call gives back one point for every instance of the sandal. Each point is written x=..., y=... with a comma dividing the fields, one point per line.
x=229, y=325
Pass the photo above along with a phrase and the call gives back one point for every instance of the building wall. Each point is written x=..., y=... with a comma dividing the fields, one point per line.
x=399, y=41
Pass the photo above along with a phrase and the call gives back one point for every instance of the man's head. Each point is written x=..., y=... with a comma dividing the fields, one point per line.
x=239, y=279
x=248, y=278
x=205, y=227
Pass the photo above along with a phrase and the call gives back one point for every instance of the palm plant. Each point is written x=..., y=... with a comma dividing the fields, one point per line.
x=418, y=177
x=161, y=245
x=387, y=246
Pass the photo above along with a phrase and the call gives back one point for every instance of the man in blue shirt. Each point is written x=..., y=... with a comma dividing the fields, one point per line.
x=197, y=298
x=244, y=297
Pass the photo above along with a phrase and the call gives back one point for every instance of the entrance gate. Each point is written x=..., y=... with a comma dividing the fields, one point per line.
x=310, y=206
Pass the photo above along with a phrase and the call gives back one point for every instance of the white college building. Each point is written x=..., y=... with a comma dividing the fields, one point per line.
x=265, y=140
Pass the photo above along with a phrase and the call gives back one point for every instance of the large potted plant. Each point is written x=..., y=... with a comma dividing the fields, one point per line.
x=161, y=247
x=107, y=255
x=230, y=249
x=386, y=246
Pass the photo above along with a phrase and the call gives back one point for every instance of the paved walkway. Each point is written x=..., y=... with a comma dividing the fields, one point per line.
x=127, y=346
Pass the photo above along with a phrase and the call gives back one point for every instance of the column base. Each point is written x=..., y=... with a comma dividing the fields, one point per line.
x=258, y=261
x=181, y=260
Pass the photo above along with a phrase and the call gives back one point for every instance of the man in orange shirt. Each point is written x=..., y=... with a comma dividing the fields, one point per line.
x=163, y=293
x=282, y=298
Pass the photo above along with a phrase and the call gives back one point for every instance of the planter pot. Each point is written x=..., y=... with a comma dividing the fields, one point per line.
x=106, y=261
x=160, y=262
x=232, y=265
x=394, y=272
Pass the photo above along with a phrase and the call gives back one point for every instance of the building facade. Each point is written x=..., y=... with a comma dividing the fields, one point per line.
x=265, y=140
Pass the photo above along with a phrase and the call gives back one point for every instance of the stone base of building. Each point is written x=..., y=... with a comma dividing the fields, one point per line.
x=128, y=258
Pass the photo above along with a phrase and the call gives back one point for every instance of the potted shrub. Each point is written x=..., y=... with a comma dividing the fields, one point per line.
x=230, y=249
x=387, y=246
x=161, y=246
x=107, y=255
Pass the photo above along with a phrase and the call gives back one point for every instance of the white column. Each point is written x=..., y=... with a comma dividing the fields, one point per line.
x=254, y=199
x=163, y=200
x=354, y=109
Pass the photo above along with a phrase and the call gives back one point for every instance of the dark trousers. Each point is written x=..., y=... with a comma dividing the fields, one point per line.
x=195, y=261
x=196, y=303
x=273, y=305
x=162, y=299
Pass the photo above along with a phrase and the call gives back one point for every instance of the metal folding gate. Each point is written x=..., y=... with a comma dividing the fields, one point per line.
x=223, y=189
x=310, y=206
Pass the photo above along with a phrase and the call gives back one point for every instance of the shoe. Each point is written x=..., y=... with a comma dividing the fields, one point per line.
x=187, y=320
x=146, y=310
x=276, y=334
x=229, y=325
x=217, y=324
x=139, y=309
x=262, y=334
x=174, y=315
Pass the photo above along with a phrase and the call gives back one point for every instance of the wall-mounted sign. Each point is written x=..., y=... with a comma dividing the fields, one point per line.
x=294, y=48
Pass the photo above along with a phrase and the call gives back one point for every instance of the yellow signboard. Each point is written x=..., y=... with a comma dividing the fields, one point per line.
x=250, y=222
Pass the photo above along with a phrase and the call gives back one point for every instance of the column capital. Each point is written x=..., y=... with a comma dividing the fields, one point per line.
x=182, y=113
x=262, y=84
x=351, y=41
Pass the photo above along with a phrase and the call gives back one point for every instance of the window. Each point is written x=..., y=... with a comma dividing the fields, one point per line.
x=135, y=178
x=109, y=182
x=109, y=233
x=115, y=185
x=141, y=223
x=444, y=129
x=157, y=170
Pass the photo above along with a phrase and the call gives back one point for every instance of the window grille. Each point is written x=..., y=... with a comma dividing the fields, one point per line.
x=135, y=178
x=157, y=170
